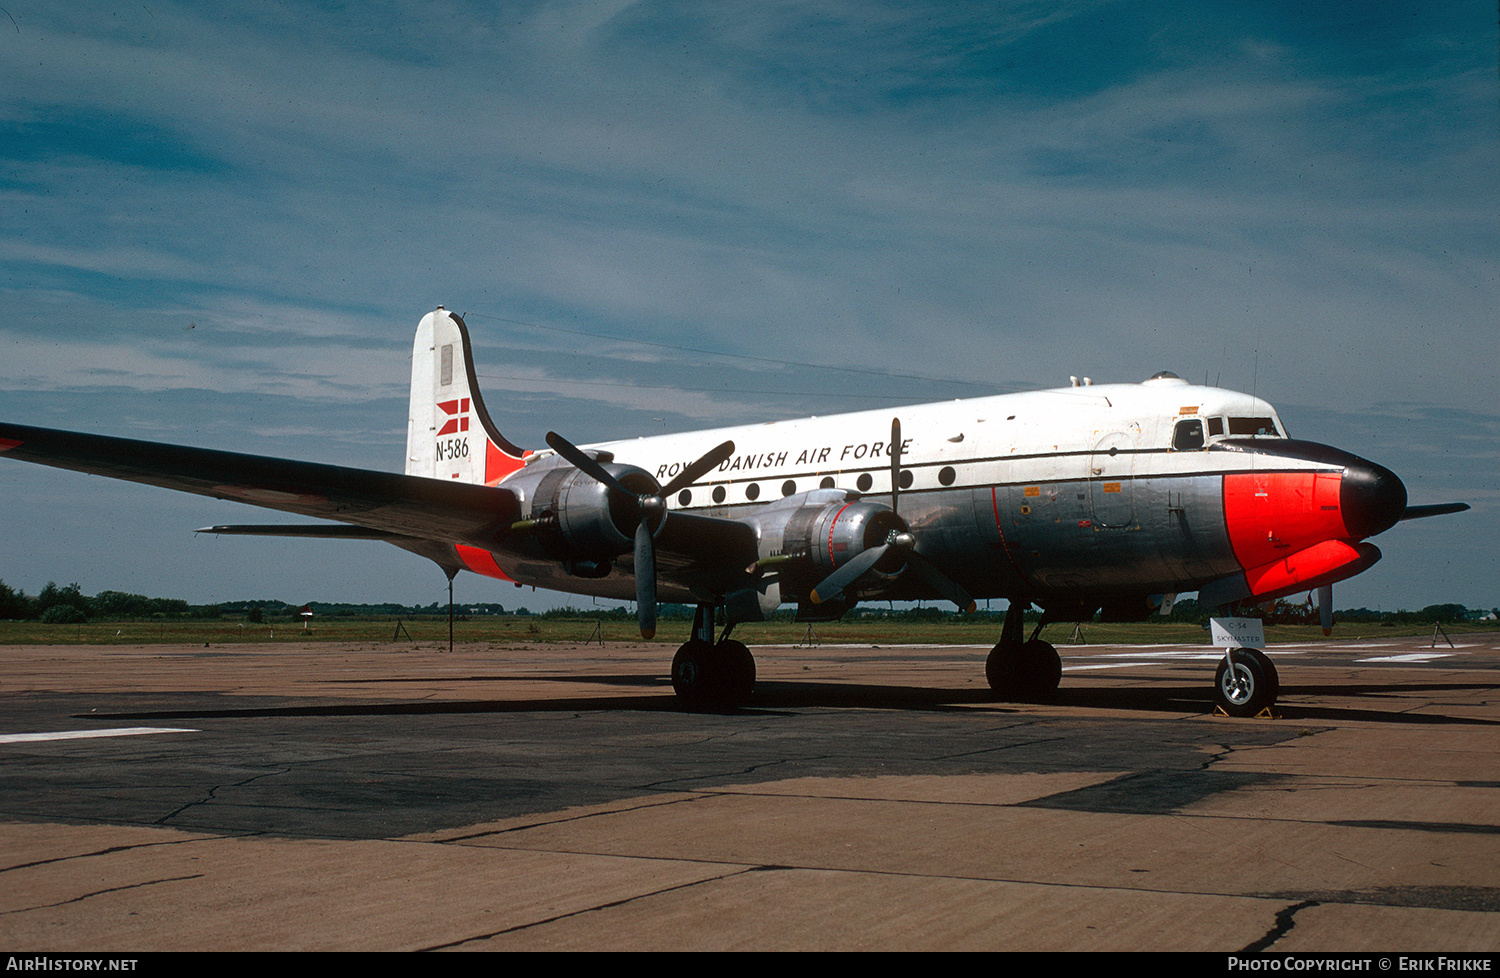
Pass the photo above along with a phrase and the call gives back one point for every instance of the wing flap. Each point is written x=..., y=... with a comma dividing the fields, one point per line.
x=408, y=506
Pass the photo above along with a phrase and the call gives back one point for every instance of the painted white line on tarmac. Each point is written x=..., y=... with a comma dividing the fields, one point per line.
x=1410, y=657
x=27, y=738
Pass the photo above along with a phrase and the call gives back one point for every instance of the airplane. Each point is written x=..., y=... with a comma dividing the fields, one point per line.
x=1091, y=499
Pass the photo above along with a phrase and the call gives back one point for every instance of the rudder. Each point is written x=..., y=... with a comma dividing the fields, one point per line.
x=449, y=434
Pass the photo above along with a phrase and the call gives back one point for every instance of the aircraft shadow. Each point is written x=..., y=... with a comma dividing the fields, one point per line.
x=772, y=697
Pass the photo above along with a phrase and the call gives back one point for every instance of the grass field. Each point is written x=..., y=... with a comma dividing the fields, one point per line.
x=527, y=630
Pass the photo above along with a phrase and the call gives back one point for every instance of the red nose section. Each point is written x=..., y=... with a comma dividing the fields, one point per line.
x=1271, y=515
x=1322, y=563
x=1296, y=530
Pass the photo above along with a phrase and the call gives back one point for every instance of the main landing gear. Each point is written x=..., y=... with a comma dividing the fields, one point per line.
x=712, y=675
x=1027, y=671
x=1247, y=686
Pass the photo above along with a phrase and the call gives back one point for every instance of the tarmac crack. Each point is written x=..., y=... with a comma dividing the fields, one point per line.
x=543, y=823
x=112, y=889
x=107, y=851
x=212, y=792
x=607, y=905
x=998, y=748
x=1285, y=921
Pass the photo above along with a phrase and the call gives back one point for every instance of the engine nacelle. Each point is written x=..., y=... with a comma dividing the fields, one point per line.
x=580, y=521
x=836, y=534
x=821, y=531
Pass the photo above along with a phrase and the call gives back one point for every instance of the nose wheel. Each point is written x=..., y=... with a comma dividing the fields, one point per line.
x=1247, y=686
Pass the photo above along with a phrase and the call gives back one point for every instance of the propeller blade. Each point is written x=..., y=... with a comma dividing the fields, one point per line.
x=645, y=580
x=699, y=469
x=582, y=462
x=1438, y=509
x=896, y=464
x=833, y=585
x=941, y=583
x=1325, y=608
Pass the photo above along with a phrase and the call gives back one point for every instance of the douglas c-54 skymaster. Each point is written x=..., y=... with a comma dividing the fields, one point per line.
x=1086, y=498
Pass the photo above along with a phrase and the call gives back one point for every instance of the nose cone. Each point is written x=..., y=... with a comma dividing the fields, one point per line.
x=1371, y=497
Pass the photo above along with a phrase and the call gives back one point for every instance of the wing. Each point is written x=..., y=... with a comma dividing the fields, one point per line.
x=400, y=505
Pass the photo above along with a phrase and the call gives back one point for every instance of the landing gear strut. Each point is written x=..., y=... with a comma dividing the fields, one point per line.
x=1022, y=670
x=709, y=674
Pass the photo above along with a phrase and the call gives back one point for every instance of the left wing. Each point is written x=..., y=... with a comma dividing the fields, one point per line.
x=400, y=505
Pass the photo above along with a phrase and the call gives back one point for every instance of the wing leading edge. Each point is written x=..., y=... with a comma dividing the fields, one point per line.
x=426, y=516
x=400, y=505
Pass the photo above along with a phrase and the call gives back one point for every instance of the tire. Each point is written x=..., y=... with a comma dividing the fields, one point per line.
x=1040, y=670
x=999, y=669
x=1253, y=687
x=736, y=667
x=693, y=674
x=713, y=676
x=1028, y=673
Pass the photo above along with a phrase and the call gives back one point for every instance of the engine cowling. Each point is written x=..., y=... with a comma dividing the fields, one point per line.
x=579, y=521
x=821, y=535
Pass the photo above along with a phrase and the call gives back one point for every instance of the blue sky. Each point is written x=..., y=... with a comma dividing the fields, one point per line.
x=219, y=226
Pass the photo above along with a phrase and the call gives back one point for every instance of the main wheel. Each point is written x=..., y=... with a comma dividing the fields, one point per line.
x=693, y=673
x=1028, y=672
x=1251, y=687
x=1041, y=669
x=737, y=671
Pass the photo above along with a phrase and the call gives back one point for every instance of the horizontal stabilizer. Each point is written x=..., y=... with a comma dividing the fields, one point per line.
x=402, y=505
x=324, y=531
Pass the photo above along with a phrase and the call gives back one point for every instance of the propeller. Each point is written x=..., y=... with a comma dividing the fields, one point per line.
x=901, y=541
x=1439, y=509
x=651, y=512
x=1325, y=608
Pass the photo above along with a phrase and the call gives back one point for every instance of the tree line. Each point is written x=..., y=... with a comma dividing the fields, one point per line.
x=68, y=605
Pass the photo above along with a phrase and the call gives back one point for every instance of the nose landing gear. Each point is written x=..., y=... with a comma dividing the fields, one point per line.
x=1246, y=682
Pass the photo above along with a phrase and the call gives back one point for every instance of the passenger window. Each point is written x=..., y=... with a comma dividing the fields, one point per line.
x=1188, y=435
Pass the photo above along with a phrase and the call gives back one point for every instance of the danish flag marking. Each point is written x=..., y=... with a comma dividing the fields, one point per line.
x=458, y=415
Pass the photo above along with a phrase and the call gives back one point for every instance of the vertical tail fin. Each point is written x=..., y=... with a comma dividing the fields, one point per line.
x=449, y=434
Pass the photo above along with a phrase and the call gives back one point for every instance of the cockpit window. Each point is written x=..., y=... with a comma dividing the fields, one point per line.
x=1215, y=426
x=1254, y=427
x=1188, y=435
